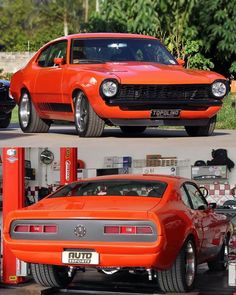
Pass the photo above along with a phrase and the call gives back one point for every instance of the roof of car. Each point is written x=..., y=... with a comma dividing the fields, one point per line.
x=157, y=177
x=105, y=35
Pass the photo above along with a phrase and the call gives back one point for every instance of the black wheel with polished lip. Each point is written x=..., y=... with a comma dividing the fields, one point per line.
x=220, y=261
x=205, y=130
x=29, y=120
x=51, y=275
x=181, y=276
x=87, y=122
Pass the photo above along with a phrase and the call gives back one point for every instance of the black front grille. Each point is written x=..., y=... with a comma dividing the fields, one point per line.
x=165, y=92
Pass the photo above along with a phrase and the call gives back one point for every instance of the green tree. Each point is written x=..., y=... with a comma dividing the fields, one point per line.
x=17, y=24
x=217, y=28
x=28, y=24
x=168, y=20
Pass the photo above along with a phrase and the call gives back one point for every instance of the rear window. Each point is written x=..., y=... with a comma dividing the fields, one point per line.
x=113, y=188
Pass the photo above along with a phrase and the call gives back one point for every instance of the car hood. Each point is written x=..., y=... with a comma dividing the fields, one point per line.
x=153, y=73
x=90, y=207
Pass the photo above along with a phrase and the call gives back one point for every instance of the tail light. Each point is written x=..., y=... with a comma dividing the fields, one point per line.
x=35, y=228
x=128, y=230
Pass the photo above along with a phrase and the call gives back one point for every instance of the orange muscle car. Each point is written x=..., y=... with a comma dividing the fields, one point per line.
x=125, y=80
x=159, y=224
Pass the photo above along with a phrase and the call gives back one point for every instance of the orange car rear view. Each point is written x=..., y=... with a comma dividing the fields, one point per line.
x=139, y=223
x=124, y=80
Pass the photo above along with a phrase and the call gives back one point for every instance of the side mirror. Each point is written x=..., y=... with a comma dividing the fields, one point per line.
x=180, y=62
x=204, y=191
x=212, y=205
x=58, y=61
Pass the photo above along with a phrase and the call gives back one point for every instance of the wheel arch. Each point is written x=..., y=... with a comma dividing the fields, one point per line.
x=24, y=88
x=74, y=92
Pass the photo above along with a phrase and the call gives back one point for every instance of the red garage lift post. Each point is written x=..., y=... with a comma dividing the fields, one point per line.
x=14, y=194
x=13, y=198
x=68, y=165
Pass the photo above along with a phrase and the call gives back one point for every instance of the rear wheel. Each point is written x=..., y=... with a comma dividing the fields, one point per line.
x=87, y=122
x=50, y=275
x=220, y=262
x=133, y=129
x=205, y=130
x=4, y=123
x=29, y=120
x=181, y=277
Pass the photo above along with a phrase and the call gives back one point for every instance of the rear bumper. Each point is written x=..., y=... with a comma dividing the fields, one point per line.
x=147, y=255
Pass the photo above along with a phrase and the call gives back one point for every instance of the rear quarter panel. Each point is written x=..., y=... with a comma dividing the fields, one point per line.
x=175, y=224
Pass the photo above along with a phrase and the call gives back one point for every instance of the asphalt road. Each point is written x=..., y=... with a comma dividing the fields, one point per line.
x=64, y=135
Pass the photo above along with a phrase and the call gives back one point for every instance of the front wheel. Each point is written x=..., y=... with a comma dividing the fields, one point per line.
x=180, y=278
x=205, y=130
x=87, y=122
x=220, y=261
x=4, y=123
x=29, y=120
x=50, y=275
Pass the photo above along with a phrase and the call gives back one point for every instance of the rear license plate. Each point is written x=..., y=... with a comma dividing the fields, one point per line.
x=162, y=114
x=80, y=257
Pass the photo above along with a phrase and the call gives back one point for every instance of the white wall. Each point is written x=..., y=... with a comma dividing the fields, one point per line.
x=46, y=175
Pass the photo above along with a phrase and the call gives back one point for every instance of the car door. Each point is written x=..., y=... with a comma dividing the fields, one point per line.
x=203, y=219
x=196, y=218
x=48, y=83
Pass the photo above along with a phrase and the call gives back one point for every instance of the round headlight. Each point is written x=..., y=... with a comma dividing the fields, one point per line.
x=109, y=88
x=219, y=89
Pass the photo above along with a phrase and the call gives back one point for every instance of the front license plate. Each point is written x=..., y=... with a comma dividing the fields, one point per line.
x=167, y=113
x=80, y=257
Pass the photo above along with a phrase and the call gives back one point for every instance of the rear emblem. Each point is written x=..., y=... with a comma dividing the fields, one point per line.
x=80, y=231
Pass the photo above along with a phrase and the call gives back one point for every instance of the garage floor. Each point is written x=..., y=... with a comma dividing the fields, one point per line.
x=92, y=282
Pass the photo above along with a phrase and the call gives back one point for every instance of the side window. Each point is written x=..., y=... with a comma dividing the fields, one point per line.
x=196, y=196
x=57, y=50
x=42, y=59
x=185, y=197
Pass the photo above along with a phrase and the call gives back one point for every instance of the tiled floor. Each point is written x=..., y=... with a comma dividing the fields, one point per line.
x=92, y=282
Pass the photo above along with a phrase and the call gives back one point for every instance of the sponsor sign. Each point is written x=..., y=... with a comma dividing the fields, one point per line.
x=80, y=257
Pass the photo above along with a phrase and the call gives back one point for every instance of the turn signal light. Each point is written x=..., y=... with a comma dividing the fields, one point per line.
x=35, y=228
x=128, y=230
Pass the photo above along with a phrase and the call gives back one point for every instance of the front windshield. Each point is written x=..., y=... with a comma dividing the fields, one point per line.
x=113, y=188
x=98, y=50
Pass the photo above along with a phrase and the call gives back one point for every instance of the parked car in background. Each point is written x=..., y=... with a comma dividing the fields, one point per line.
x=145, y=223
x=125, y=80
x=7, y=104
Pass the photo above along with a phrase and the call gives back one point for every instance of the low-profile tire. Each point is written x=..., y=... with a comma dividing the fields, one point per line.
x=87, y=122
x=181, y=276
x=220, y=261
x=205, y=130
x=133, y=130
x=29, y=120
x=4, y=123
x=50, y=275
